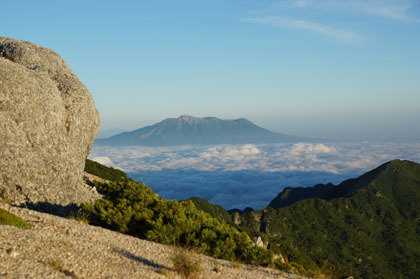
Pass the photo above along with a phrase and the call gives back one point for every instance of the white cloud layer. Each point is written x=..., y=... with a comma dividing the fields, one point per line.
x=237, y=176
x=288, y=23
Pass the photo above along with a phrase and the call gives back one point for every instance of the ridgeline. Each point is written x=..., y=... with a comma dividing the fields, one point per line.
x=193, y=130
x=368, y=227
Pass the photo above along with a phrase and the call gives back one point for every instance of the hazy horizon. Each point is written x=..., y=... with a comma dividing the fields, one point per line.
x=310, y=68
x=336, y=136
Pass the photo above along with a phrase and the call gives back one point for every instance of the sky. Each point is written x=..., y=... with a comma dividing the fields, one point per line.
x=334, y=69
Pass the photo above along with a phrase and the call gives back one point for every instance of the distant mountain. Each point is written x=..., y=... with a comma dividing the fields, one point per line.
x=192, y=130
x=109, y=133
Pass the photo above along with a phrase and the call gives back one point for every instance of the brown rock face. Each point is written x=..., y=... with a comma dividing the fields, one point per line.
x=48, y=123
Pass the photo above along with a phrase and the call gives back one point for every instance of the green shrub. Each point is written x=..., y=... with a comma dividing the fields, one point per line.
x=133, y=208
x=257, y=255
x=214, y=210
x=220, y=213
x=104, y=172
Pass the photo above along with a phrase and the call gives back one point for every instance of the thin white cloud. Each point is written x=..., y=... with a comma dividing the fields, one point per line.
x=392, y=9
x=282, y=6
x=301, y=3
x=396, y=10
x=274, y=15
x=325, y=30
x=291, y=4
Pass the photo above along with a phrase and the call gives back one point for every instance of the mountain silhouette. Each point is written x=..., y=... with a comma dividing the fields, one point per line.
x=193, y=130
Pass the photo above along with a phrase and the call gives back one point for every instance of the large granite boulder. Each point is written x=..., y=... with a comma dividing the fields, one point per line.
x=48, y=122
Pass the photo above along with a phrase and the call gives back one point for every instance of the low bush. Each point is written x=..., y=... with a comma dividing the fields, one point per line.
x=104, y=172
x=185, y=264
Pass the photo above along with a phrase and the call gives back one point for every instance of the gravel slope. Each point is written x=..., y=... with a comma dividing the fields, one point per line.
x=56, y=247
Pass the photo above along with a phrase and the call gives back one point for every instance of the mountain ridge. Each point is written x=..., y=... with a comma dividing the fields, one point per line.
x=367, y=227
x=193, y=130
x=373, y=219
x=345, y=189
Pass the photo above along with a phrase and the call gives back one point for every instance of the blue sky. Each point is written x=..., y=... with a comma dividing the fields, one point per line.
x=334, y=69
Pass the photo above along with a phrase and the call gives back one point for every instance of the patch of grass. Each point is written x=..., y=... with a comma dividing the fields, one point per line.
x=216, y=266
x=57, y=264
x=162, y=271
x=7, y=218
x=78, y=216
x=64, y=243
x=186, y=264
x=236, y=265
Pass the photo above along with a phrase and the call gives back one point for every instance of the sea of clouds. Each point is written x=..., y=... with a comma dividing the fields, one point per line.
x=238, y=176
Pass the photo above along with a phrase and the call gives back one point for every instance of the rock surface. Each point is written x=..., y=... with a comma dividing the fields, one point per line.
x=48, y=122
x=55, y=247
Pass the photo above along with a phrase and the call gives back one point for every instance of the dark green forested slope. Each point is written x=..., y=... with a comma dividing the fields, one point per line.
x=290, y=195
x=220, y=213
x=214, y=210
x=371, y=231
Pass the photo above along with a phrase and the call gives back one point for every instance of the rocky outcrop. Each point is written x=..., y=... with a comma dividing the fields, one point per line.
x=48, y=122
x=260, y=243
